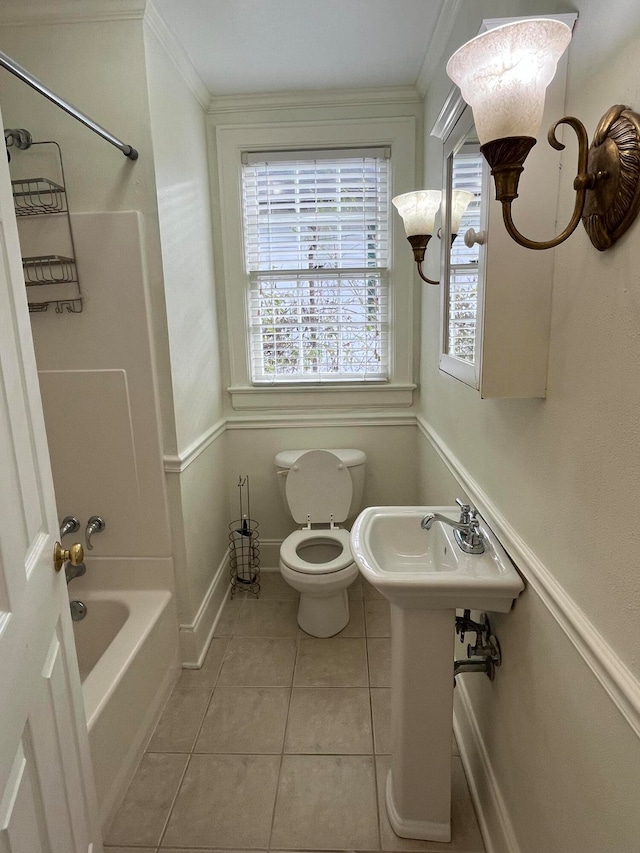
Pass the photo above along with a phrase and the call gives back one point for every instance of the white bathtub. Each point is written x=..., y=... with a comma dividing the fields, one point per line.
x=127, y=654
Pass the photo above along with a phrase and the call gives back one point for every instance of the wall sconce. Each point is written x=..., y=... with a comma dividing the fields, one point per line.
x=503, y=75
x=418, y=211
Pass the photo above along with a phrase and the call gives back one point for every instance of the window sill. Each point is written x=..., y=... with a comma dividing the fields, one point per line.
x=255, y=397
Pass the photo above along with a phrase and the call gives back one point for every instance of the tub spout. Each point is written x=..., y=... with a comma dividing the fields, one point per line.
x=71, y=571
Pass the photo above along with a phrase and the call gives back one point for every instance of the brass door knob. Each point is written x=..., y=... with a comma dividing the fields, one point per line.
x=74, y=555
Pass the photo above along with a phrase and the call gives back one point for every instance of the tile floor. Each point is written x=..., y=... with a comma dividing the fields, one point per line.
x=279, y=742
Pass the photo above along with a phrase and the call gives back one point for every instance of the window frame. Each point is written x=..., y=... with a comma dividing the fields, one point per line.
x=397, y=133
x=466, y=371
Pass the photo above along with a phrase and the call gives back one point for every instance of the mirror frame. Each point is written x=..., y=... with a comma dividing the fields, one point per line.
x=456, y=122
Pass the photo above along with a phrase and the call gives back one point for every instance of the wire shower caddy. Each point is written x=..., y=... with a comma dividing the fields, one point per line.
x=50, y=279
x=244, y=546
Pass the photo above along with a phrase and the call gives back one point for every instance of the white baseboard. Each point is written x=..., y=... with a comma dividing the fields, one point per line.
x=196, y=637
x=496, y=827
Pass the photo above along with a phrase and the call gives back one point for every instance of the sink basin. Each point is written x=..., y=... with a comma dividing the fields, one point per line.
x=426, y=569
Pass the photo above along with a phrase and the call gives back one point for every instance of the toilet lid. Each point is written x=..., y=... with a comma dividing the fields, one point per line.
x=319, y=486
x=290, y=557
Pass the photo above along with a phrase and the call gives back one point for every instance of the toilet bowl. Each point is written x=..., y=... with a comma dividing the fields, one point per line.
x=316, y=560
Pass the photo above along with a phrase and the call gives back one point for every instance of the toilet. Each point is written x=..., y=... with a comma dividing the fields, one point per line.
x=321, y=489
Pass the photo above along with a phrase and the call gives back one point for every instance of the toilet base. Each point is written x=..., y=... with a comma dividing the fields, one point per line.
x=324, y=603
x=323, y=617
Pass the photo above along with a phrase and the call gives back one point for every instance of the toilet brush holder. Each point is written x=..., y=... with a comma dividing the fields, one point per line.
x=244, y=556
x=244, y=546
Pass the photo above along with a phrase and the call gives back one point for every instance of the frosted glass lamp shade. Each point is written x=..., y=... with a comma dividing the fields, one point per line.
x=503, y=75
x=418, y=210
x=460, y=201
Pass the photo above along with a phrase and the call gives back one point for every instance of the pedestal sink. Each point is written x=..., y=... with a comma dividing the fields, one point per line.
x=426, y=576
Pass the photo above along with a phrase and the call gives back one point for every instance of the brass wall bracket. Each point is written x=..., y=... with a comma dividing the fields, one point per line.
x=614, y=158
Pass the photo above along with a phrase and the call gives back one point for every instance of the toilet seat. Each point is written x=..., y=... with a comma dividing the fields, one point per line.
x=291, y=558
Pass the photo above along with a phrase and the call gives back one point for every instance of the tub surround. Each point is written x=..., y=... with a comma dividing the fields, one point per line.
x=128, y=666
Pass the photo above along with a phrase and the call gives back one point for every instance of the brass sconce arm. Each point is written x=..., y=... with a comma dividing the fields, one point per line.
x=419, y=243
x=607, y=182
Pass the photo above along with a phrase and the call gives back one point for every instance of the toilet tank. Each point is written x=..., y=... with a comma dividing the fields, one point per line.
x=353, y=459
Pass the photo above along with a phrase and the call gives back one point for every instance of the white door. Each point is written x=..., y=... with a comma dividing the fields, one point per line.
x=47, y=796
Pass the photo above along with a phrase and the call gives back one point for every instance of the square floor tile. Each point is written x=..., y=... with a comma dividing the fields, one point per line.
x=224, y=800
x=207, y=675
x=335, y=662
x=381, y=708
x=273, y=587
x=147, y=803
x=465, y=834
x=329, y=720
x=326, y=802
x=267, y=619
x=227, y=617
x=378, y=618
x=258, y=663
x=179, y=723
x=245, y=720
x=379, y=654
x=369, y=592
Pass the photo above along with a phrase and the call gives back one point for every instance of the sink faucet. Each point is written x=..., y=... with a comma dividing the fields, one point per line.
x=466, y=531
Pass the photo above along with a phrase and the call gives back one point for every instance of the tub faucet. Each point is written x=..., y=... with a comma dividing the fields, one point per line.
x=96, y=524
x=71, y=571
x=466, y=531
x=69, y=524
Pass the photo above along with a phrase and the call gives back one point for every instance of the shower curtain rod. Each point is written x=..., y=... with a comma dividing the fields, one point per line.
x=30, y=80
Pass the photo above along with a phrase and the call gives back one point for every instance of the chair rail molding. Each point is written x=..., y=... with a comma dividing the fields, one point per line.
x=612, y=673
x=178, y=462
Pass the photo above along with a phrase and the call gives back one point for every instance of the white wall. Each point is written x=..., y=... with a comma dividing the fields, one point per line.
x=197, y=491
x=559, y=476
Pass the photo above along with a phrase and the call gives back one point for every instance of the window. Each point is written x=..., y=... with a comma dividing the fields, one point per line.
x=316, y=240
x=319, y=287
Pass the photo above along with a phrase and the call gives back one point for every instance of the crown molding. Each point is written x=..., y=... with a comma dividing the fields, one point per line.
x=156, y=24
x=314, y=98
x=437, y=43
x=14, y=13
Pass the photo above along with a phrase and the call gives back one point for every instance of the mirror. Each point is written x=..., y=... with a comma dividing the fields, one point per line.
x=463, y=259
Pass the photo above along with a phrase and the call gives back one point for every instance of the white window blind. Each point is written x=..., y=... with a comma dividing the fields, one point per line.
x=463, y=270
x=316, y=239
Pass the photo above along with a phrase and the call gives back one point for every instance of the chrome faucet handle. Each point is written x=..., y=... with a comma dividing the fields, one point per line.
x=96, y=524
x=465, y=511
x=69, y=524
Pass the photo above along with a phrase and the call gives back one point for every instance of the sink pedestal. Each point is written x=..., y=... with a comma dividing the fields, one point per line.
x=418, y=792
